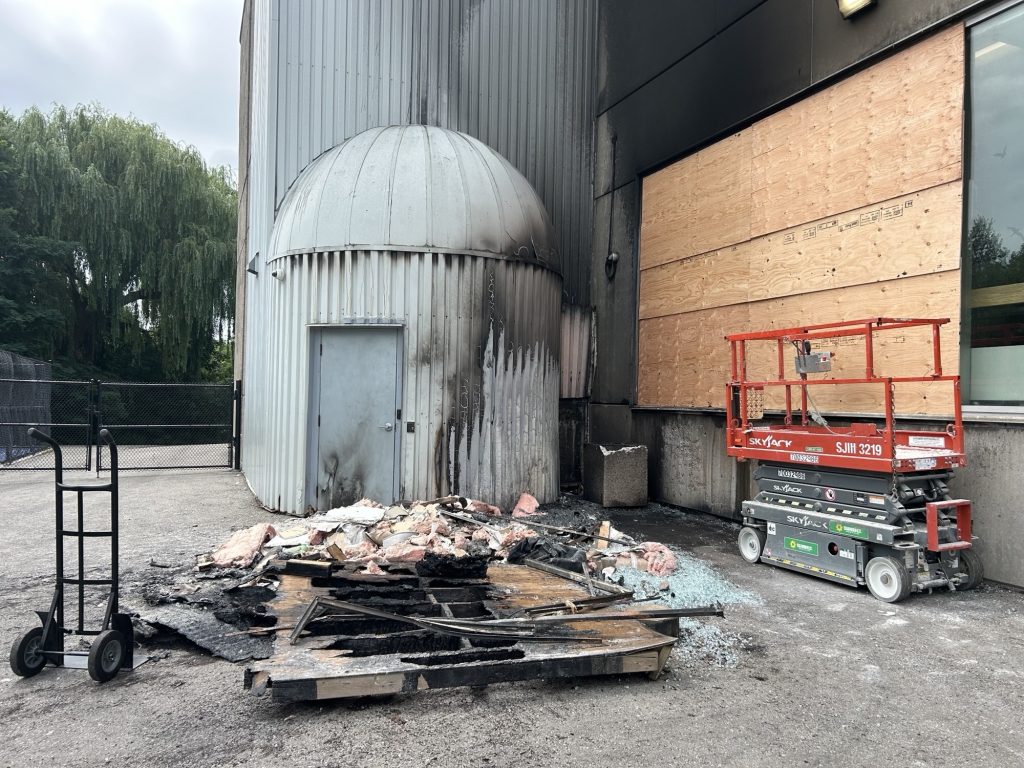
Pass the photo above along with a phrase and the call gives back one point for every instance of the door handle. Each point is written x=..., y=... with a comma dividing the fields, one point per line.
x=387, y=427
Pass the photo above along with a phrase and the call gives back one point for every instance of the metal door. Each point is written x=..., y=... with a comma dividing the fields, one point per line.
x=355, y=402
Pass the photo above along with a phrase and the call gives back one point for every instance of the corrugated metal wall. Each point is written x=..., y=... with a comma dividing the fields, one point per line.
x=577, y=325
x=516, y=74
x=481, y=369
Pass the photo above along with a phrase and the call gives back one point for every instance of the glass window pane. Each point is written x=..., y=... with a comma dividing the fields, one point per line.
x=994, y=242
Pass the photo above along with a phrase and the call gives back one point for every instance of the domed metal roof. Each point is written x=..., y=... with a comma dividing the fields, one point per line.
x=414, y=188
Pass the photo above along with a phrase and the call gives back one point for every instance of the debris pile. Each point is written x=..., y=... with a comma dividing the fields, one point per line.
x=440, y=584
x=371, y=536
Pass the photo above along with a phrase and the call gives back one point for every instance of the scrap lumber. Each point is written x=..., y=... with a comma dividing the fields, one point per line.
x=369, y=655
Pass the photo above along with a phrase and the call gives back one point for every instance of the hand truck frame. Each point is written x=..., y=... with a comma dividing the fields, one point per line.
x=112, y=647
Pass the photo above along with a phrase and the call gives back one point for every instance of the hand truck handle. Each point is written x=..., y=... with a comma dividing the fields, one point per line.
x=35, y=434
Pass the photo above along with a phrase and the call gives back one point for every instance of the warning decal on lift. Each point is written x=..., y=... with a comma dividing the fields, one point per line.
x=830, y=494
x=801, y=546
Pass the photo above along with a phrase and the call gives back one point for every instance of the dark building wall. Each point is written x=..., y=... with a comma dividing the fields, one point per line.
x=676, y=75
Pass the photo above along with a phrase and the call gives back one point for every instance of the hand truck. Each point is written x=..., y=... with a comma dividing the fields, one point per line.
x=112, y=647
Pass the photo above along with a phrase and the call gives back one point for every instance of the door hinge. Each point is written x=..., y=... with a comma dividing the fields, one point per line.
x=318, y=419
x=321, y=349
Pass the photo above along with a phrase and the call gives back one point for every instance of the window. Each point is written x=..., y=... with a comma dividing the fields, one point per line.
x=993, y=297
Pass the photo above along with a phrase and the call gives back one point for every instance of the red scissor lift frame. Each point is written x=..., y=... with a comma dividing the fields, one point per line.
x=859, y=446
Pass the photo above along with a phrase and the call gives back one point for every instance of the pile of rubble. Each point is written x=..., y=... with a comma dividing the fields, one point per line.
x=453, y=530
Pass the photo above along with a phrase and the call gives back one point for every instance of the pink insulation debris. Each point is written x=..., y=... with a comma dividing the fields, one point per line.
x=514, y=535
x=404, y=553
x=242, y=548
x=526, y=507
x=660, y=560
x=484, y=508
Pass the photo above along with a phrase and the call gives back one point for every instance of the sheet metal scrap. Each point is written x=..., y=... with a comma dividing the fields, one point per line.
x=351, y=637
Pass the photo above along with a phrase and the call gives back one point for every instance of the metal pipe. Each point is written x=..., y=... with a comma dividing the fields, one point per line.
x=81, y=561
x=114, y=528
x=742, y=364
x=889, y=417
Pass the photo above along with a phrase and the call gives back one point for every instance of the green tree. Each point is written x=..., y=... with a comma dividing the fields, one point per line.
x=116, y=245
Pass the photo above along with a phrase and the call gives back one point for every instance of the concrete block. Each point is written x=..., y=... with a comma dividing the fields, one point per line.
x=615, y=475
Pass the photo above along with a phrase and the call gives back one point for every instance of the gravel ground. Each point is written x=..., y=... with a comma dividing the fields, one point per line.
x=823, y=674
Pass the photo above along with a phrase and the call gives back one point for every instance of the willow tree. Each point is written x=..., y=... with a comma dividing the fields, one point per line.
x=138, y=232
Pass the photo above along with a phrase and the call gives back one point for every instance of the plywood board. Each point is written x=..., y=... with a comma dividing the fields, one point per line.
x=684, y=358
x=698, y=204
x=892, y=129
x=902, y=237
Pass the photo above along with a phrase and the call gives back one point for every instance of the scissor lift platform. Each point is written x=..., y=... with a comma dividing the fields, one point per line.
x=858, y=504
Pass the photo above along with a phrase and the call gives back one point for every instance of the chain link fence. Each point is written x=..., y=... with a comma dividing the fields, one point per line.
x=168, y=426
x=156, y=426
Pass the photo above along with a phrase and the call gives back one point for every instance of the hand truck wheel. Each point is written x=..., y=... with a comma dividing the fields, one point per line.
x=27, y=657
x=106, y=655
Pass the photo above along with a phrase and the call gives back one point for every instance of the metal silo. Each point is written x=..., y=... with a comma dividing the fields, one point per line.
x=410, y=306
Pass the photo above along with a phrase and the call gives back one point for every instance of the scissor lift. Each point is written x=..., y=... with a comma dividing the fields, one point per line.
x=859, y=504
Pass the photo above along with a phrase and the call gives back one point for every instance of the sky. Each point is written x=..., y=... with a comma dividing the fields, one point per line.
x=169, y=62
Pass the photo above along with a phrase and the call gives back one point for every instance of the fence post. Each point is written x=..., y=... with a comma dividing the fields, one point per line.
x=91, y=430
x=97, y=423
x=236, y=437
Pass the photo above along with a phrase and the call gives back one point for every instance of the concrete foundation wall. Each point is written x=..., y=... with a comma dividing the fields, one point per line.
x=993, y=482
x=687, y=461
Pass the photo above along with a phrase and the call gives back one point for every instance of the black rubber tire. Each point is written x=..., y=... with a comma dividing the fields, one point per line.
x=895, y=584
x=105, y=655
x=26, y=660
x=745, y=541
x=970, y=564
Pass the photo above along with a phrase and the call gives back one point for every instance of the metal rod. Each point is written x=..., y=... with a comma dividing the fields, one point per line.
x=604, y=586
x=654, y=613
x=581, y=534
x=742, y=363
x=803, y=399
x=833, y=382
x=115, y=571
x=81, y=561
x=936, y=350
x=444, y=627
x=889, y=413
x=172, y=426
x=846, y=328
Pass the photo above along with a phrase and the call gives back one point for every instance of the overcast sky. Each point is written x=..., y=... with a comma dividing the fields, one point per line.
x=169, y=62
